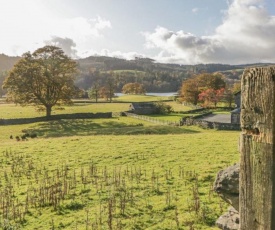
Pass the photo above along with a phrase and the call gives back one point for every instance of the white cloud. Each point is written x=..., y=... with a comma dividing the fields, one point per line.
x=102, y=23
x=246, y=35
x=66, y=44
x=116, y=54
x=79, y=29
x=25, y=25
x=195, y=10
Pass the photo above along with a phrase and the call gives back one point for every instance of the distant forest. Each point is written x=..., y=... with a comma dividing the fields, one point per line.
x=156, y=77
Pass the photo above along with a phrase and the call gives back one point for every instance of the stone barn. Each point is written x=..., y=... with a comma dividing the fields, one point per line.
x=142, y=108
x=237, y=97
x=235, y=116
x=236, y=113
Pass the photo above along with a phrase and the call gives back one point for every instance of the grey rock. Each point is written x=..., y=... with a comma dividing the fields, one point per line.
x=229, y=221
x=227, y=185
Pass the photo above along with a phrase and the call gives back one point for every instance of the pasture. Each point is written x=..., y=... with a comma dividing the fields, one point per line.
x=15, y=111
x=117, y=173
x=138, y=98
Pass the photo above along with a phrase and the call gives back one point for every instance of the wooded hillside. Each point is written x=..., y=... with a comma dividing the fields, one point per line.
x=156, y=77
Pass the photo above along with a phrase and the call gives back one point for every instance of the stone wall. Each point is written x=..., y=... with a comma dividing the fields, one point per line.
x=210, y=125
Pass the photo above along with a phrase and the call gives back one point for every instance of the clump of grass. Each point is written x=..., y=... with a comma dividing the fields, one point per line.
x=74, y=205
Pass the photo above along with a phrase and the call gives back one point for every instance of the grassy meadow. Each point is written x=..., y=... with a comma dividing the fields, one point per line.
x=117, y=173
x=16, y=111
x=122, y=104
x=138, y=98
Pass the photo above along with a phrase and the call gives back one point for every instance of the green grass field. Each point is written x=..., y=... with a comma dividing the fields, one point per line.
x=138, y=98
x=117, y=173
x=16, y=111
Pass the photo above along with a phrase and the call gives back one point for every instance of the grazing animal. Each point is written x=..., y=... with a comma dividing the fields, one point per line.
x=33, y=135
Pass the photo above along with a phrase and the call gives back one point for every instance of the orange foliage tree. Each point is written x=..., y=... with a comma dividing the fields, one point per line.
x=193, y=87
x=211, y=97
x=133, y=88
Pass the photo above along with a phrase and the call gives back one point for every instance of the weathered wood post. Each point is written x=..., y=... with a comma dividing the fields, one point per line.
x=257, y=169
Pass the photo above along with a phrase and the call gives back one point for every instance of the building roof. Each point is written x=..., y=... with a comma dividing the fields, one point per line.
x=238, y=110
x=143, y=105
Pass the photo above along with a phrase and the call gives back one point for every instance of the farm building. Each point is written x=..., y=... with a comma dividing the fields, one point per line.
x=235, y=114
x=142, y=108
x=238, y=99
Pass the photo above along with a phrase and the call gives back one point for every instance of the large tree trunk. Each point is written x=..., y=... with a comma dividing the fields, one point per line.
x=257, y=170
x=48, y=111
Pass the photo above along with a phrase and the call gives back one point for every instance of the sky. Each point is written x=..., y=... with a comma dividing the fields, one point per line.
x=168, y=31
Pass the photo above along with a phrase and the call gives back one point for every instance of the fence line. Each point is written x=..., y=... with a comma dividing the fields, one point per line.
x=153, y=120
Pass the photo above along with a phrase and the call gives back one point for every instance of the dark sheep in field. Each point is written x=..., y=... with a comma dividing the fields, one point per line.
x=27, y=135
x=33, y=135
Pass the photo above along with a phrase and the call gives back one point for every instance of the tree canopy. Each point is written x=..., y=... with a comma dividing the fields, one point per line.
x=211, y=80
x=204, y=82
x=133, y=88
x=190, y=91
x=93, y=92
x=211, y=96
x=44, y=78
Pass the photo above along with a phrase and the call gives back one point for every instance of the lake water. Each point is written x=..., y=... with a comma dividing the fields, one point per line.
x=153, y=94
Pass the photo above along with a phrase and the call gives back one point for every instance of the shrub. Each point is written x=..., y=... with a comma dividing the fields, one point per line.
x=74, y=205
x=162, y=108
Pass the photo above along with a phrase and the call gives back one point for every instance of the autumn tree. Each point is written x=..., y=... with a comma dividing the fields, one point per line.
x=44, y=78
x=133, y=88
x=110, y=86
x=2, y=78
x=229, y=93
x=103, y=92
x=94, y=92
x=106, y=93
x=211, y=81
x=193, y=87
x=211, y=97
x=236, y=87
x=228, y=97
x=190, y=91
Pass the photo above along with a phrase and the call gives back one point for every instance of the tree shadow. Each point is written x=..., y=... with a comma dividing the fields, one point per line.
x=84, y=127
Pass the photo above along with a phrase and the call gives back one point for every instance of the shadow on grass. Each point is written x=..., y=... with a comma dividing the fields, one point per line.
x=90, y=127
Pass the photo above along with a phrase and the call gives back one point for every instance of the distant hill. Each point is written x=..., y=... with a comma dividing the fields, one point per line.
x=144, y=64
x=7, y=62
x=156, y=77
x=103, y=63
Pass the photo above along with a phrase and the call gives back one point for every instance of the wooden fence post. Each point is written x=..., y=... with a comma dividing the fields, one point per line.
x=257, y=169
